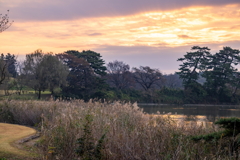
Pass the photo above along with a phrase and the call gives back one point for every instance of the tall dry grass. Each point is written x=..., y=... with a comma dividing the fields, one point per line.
x=129, y=132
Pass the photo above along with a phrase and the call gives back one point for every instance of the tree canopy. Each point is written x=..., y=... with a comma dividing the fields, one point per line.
x=85, y=79
x=93, y=58
x=206, y=77
x=44, y=71
x=193, y=63
x=7, y=66
x=220, y=71
x=118, y=74
x=146, y=76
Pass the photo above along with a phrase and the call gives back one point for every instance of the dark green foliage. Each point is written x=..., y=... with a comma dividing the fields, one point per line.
x=193, y=62
x=171, y=92
x=94, y=59
x=228, y=138
x=77, y=81
x=209, y=137
x=85, y=78
x=6, y=115
x=168, y=95
x=231, y=126
x=195, y=93
x=86, y=148
x=7, y=67
x=11, y=61
x=165, y=95
x=220, y=73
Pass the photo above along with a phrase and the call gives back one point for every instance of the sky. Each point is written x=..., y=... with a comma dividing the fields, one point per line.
x=152, y=33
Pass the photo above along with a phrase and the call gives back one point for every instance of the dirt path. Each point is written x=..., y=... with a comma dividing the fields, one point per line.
x=9, y=134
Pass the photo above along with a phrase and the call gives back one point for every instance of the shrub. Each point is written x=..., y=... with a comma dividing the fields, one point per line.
x=228, y=139
x=86, y=147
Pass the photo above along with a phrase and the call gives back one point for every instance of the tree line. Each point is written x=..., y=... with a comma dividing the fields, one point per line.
x=219, y=71
x=81, y=75
x=202, y=78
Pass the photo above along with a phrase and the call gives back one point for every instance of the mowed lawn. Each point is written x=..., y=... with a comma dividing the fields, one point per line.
x=9, y=134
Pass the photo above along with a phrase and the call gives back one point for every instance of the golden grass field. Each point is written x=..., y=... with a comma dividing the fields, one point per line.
x=9, y=134
x=67, y=127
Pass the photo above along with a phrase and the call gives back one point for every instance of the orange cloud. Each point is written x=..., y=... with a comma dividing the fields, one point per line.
x=189, y=26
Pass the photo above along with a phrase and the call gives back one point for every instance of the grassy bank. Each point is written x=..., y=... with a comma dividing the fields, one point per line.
x=71, y=130
x=9, y=134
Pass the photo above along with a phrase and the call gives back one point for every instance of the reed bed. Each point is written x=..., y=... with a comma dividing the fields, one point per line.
x=120, y=131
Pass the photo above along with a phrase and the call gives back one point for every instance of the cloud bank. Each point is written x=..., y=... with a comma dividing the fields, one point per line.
x=45, y=10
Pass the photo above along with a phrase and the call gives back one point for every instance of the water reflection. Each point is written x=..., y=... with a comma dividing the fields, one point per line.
x=197, y=113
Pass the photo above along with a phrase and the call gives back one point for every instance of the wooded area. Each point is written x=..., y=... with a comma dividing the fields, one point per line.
x=202, y=78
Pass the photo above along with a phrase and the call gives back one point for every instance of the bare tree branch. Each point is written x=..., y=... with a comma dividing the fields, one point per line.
x=146, y=76
x=4, y=22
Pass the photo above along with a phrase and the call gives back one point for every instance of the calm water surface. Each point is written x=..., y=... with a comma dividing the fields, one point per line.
x=194, y=112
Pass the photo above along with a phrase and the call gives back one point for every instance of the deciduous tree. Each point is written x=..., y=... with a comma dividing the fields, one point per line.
x=146, y=77
x=119, y=75
x=56, y=72
x=172, y=81
x=20, y=79
x=44, y=71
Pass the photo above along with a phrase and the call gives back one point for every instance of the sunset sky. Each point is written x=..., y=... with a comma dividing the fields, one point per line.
x=151, y=33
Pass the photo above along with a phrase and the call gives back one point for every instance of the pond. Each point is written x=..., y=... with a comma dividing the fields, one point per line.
x=194, y=112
